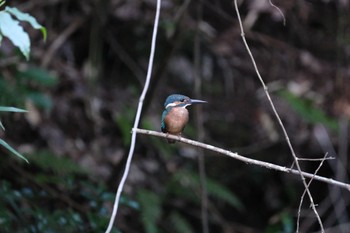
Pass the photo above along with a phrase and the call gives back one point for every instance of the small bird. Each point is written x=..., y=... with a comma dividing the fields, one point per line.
x=175, y=115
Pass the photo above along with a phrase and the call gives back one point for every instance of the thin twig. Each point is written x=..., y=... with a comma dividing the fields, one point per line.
x=343, y=148
x=242, y=158
x=137, y=119
x=277, y=116
x=303, y=195
x=279, y=10
x=59, y=41
x=313, y=159
x=125, y=57
x=199, y=122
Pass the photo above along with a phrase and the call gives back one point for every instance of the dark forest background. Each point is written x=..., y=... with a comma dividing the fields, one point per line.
x=81, y=89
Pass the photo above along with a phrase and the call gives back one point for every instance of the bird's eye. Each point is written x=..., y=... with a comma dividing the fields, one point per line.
x=182, y=100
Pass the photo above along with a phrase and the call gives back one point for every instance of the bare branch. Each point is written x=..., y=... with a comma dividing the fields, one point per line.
x=137, y=119
x=317, y=159
x=308, y=185
x=242, y=158
x=277, y=116
x=60, y=40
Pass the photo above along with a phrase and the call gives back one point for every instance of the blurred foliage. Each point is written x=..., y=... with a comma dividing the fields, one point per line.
x=28, y=85
x=308, y=111
x=186, y=180
x=2, y=142
x=150, y=210
x=185, y=185
x=21, y=212
x=180, y=223
x=57, y=197
x=125, y=122
x=281, y=223
x=60, y=166
x=12, y=92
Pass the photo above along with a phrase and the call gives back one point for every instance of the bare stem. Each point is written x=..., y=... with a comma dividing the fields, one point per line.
x=277, y=117
x=137, y=120
x=242, y=158
x=199, y=121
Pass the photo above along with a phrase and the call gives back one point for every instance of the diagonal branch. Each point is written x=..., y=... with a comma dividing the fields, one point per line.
x=242, y=158
x=277, y=117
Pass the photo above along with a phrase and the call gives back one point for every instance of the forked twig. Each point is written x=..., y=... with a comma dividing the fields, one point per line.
x=277, y=116
x=308, y=185
x=242, y=158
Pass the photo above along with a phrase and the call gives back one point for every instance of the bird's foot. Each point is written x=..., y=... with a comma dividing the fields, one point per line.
x=169, y=140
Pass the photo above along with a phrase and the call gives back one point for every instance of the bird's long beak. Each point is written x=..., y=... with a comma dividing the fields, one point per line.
x=193, y=101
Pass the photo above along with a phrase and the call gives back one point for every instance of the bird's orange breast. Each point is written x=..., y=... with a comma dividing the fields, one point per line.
x=176, y=120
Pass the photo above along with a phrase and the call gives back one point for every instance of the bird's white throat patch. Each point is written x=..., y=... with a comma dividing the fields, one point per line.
x=174, y=104
x=171, y=105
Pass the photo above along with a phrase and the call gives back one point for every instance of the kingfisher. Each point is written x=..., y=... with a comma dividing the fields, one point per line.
x=175, y=115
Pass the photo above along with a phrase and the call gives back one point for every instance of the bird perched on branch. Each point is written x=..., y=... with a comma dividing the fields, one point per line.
x=175, y=115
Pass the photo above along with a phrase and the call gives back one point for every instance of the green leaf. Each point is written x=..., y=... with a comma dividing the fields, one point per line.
x=288, y=224
x=283, y=222
x=12, y=30
x=7, y=146
x=2, y=126
x=219, y=191
x=214, y=188
x=40, y=100
x=128, y=202
x=2, y=2
x=28, y=18
x=60, y=166
x=181, y=224
x=11, y=92
x=308, y=111
x=39, y=76
x=11, y=109
x=124, y=122
x=150, y=210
